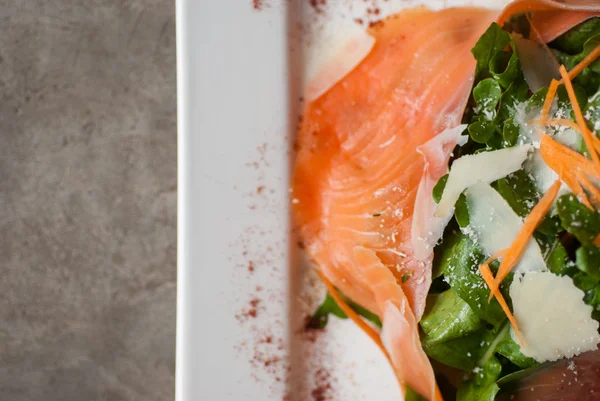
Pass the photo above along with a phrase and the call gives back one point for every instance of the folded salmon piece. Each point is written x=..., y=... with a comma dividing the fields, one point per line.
x=358, y=169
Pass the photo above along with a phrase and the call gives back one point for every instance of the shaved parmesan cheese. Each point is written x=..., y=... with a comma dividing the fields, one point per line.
x=493, y=225
x=335, y=50
x=426, y=229
x=482, y=167
x=553, y=319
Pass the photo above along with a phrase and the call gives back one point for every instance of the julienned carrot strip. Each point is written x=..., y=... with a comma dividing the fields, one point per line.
x=591, y=188
x=353, y=315
x=548, y=101
x=587, y=135
x=566, y=162
x=597, y=240
x=589, y=59
x=563, y=121
x=519, y=244
x=571, y=124
x=489, y=260
x=486, y=273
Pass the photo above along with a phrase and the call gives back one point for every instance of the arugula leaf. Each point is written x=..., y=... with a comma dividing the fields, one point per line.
x=461, y=211
x=588, y=261
x=412, y=395
x=447, y=317
x=557, y=259
x=505, y=67
x=461, y=272
x=481, y=131
x=320, y=318
x=589, y=77
x=520, y=192
x=573, y=40
x=438, y=189
x=516, y=93
x=493, y=41
x=590, y=287
x=482, y=387
x=510, y=132
x=508, y=348
x=592, y=112
x=577, y=219
x=487, y=94
x=460, y=353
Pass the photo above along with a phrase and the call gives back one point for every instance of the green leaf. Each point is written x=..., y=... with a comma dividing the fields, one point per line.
x=487, y=94
x=511, y=350
x=319, y=319
x=481, y=131
x=321, y=316
x=505, y=67
x=521, y=374
x=588, y=261
x=516, y=93
x=592, y=111
x=573, y=41
x=493, y=41
x=577, y=219
x=447, y=317
x=589, y=77
x=557, y=259
x=438, y=189
x=520, y=192
x=461, y=272
x=412, y=395
x=461, y=211
x=510, y=132
x=460, y=353
x=482, y=387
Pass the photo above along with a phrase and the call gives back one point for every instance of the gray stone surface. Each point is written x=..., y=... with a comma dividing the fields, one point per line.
x=87, y=200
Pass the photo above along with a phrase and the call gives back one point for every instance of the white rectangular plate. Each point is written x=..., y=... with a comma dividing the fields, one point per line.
x=242, y=294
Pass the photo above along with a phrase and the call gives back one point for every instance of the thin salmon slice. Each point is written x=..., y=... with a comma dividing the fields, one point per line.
x=552, y=18
x=358, y=168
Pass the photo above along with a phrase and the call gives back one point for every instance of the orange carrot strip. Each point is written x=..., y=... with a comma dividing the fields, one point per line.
x=571, y=124
x=565, y=161
x=589, y=59
x=486, y=273
x=587, y=184
x=438, y=394
x=519, y=244
x=597, y=240
x=353, y=315
x=489, y=260
x=565, y=122
x=548, y=101
x=587, y=135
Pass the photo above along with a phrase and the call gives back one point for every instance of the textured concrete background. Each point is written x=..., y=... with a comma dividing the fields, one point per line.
x=87, y=200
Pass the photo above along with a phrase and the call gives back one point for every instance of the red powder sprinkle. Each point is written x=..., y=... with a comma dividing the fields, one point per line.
x=258, y=4
x=318, y=5
x=259, y=189
x=250, y=266
x=322, y=391
x=374, y=24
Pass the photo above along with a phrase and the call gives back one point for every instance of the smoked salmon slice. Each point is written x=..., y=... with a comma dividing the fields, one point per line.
x=552, y=18
x=361, y=161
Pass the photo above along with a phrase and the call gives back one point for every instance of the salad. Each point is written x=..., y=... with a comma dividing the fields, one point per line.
x=447, y=190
